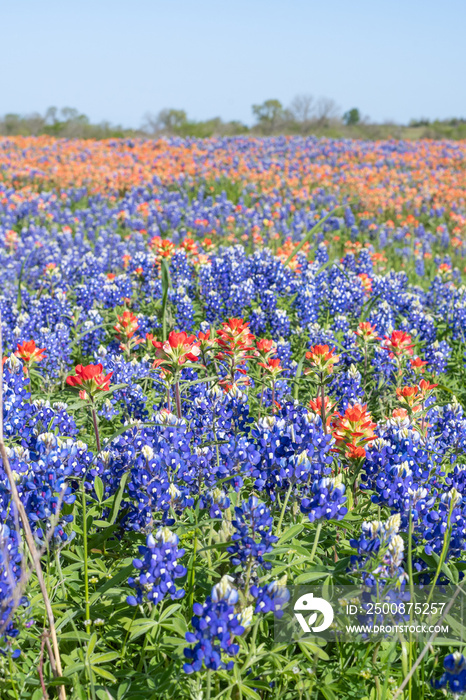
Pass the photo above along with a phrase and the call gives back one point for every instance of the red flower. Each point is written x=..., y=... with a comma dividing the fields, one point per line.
x=322, y=358
x=426, y=387
x=366, y=282
x=316, y=407
x=265, y=346
x=235, y=342
x=29, y=352
x=410, y=396
x=236, y=332
x=355, y=452
x=272, y=367
x=418, y=365
x=235, y=339
x=126, y=326
x=353, y=430
x=366, y=331
x=400, y=344
x=176, y=350
x=91, y=378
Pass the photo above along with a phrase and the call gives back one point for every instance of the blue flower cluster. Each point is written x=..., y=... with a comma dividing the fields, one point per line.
x=252, y=536
x=158, y=569
x=454, y=677
x=216, y=624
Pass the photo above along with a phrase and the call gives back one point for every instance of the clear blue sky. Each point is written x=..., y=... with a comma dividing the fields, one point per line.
x=393, y=59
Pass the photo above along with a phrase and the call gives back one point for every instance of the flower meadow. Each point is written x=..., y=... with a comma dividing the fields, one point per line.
x=229, y=367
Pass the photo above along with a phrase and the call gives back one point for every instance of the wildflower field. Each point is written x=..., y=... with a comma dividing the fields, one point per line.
x=231, y=367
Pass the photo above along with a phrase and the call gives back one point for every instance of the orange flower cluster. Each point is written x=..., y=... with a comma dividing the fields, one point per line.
x=321, y=359
x=353, y=430
x=426, y=171
x=414, y=397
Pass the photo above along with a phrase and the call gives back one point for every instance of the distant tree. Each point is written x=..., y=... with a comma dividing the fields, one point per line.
x=235, y=127
x=170, y=121
x=302, y=108
x=34, y=123
x=68, y=122
x=326, y=110
x=352, y=117
x=419, y=122
x=268, y=114
x=11, y=124
x=51, y=115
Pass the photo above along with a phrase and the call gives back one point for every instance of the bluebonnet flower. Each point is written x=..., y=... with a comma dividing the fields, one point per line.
x=454, y=677
x=10, y=596
x=326, y=500
x=273, y=597
x=253, y=534
x=216, y=624
x=158, y=569
x=217, y=500
x=380, y=552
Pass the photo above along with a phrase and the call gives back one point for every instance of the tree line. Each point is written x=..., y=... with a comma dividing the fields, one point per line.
x=305, y=115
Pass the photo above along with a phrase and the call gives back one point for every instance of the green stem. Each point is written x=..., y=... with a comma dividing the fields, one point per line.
x=123, y=649
x=411, y=590
x=178, y=399
x=248, y=578
x=96, y=429
x=316, y=542
x=443, y=554
x=86, y=566
x=13, y=684
x=410, y=555
x=251, y=644
x=209, y=543
x=192, y=577
x=285, y=503
x=146, y=640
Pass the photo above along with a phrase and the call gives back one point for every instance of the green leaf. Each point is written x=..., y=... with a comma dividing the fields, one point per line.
x=101, y=537
x=74, y=668
x=140, y=627
x=103, y=673
x=118, y=578
x=310, y=576
x=99, y=488
x=91, y=645
x=118, y=497
x=59, y=680
x=183, y=385
x=249, y=692
x=80, y=336
x=115, y=387
x=299, y=370
x=293, y=531
x=169, y=611
x=103, y=658
x=75, y=636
